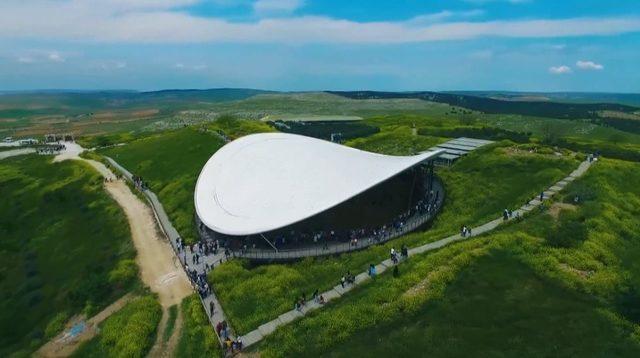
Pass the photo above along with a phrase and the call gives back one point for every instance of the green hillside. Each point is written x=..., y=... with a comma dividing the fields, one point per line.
x=65, y=248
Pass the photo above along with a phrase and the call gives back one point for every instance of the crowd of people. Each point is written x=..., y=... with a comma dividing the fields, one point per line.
x=224, y=332
x=139, y=183
x=51, y=149
x=355, y=237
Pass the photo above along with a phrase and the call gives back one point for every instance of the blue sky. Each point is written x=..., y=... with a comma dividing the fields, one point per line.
x=523, y=45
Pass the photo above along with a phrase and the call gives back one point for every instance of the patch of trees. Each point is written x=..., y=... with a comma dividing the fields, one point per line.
x=609, y=150
x=626, y=125
x=495, y=106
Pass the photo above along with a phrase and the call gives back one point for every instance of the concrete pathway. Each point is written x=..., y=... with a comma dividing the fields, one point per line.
x=15, y=152
x=338, y=291
x=184, y=257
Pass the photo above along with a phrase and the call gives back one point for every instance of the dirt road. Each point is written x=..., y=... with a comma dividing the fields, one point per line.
x=159, y=268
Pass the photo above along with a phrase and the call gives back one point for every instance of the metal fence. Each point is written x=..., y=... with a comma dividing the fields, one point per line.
x=338, y=248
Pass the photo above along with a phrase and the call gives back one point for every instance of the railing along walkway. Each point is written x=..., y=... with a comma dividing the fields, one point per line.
x=334, y=248
x=184, y=256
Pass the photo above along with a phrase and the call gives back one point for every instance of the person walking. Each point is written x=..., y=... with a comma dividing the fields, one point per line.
x=212, y=307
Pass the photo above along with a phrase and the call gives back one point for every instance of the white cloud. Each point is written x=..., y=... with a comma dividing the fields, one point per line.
x=270, y=7
x=589, y=65
x=444, y=15
x=560, y=70
x=144, y=22
x=26, y=59
x=55, y=57
x=34, y=56
x=145, y=4
x=182, y=66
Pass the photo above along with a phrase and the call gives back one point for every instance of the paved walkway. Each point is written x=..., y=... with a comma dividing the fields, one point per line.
x=15, y=152
x=183, y=257
x=337, y=291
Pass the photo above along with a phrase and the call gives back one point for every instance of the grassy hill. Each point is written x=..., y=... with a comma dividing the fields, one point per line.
x=555, y=284
x=65, y=248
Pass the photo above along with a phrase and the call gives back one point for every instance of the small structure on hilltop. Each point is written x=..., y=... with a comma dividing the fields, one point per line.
x=456, y=148
x=278, y=196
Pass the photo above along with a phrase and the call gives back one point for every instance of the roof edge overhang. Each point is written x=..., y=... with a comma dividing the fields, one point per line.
x=415, y=160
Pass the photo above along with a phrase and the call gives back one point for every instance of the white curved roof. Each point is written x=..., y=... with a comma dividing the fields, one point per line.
x=264, y=182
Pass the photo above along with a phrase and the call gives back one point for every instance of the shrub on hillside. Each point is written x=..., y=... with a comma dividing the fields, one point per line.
x=129, y=332
x=124, y=273
x=197, y=338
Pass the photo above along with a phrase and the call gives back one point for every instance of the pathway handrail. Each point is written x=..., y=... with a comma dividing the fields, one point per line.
x=172, y=235
x=343, y=247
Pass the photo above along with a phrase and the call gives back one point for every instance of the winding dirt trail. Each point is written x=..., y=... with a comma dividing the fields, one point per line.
x=159, y=268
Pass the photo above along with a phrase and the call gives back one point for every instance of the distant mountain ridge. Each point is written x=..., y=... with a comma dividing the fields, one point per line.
x=631, y=99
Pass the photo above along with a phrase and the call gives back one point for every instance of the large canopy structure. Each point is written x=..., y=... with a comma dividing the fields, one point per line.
x=268, y=181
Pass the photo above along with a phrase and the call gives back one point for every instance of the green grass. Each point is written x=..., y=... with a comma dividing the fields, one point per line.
x=495, y=307
x=478, y=188
x=64, y=248
x=514, y=292
x=129, y=332
x=396, y=140
x=170, y=162
x=171, y=323
x=197, y=338
x=572, y=129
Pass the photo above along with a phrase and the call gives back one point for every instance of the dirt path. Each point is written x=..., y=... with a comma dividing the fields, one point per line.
x=162, y=348
x=66, y=343
x=172, y=343
x=159, y=268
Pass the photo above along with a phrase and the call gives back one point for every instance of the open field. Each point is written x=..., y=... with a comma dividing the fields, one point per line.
x=104, y=113
x=65, y=249
x=519, y=290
